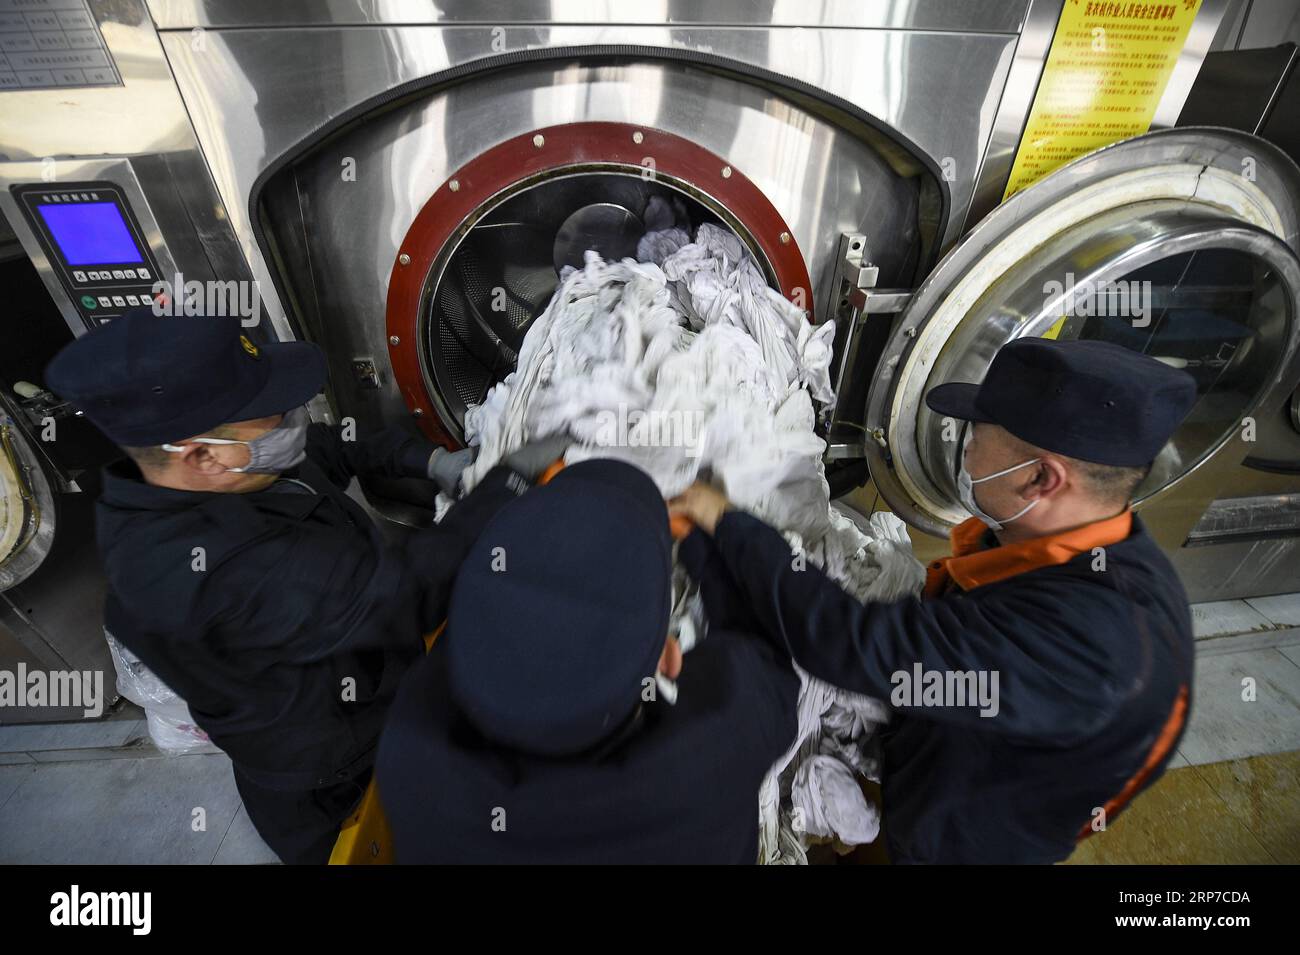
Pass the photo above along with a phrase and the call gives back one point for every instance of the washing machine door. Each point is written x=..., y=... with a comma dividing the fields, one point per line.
x=27, y=506
x=1180, y=244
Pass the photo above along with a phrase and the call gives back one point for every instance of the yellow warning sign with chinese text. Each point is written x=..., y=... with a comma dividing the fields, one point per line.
x=1105, y=73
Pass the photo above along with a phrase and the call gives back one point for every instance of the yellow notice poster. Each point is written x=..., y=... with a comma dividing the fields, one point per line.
x=1106, y=71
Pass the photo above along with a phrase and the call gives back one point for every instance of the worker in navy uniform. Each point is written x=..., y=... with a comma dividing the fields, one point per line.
x=241, y=573
x=1054, y=587
x=542, y=725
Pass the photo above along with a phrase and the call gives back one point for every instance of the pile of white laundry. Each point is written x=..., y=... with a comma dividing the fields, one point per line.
x=684, y=363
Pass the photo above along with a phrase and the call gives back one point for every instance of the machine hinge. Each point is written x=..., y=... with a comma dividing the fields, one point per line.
x=864, y=318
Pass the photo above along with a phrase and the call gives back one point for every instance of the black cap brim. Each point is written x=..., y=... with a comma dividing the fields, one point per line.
x=956, y=400
x=296, y=374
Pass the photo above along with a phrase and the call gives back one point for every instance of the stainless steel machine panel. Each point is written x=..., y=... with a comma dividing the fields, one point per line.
x=337, y=235
x=254, y=94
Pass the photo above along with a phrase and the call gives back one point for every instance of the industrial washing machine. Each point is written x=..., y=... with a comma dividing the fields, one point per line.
x=400, y=181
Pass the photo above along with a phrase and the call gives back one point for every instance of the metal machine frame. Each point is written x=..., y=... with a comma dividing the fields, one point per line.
x=844, y=127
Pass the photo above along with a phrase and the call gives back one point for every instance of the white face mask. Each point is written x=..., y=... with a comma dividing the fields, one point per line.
x=966, y=490
x=280, y=449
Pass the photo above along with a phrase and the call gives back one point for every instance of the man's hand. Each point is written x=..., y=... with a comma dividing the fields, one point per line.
x=537, y=455
x=445, y=468
x=702, y=504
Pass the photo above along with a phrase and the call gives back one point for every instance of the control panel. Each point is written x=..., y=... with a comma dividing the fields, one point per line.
x=94, y=244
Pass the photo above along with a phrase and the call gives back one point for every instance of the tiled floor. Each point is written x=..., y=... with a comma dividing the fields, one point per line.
x=99, y=792
x=1234, y=812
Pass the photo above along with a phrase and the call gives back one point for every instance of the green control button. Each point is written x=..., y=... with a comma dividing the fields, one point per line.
x=88, y=301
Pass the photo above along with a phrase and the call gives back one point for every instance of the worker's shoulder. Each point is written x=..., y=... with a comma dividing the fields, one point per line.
x=734, y=678
x=171, y=552
x=738, y=651
x=1108, y=594
x=217, y=522
x=1135, y=569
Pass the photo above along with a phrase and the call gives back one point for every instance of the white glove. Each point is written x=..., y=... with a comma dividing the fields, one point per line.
x=445, y=468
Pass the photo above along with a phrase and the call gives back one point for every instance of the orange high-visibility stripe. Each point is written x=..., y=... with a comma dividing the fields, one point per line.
x=431, y=638
x=1164, y=742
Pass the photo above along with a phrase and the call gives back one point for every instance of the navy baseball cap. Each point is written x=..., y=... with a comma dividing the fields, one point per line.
x=560, y=611
x=1091, y=400
x=146, y=379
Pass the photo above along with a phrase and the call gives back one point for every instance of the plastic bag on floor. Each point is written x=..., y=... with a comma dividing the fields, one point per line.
x=171, y=727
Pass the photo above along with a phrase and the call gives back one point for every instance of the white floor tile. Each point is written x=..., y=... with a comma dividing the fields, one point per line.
x=1282, y=609
x=83, y=735
x=11, y=777
x=243, y=846
x=1224, y=726
x=118, y=811
x=1227, y=616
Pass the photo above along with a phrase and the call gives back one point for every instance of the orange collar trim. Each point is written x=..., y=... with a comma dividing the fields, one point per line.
x=970, y=566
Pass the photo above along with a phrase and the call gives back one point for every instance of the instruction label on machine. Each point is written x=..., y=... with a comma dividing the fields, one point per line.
x=50, y=44
x=1106, y=71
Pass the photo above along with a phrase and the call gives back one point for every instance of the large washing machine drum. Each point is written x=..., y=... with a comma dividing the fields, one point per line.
x=469, y=186
x=500, y=275
x=485, y=253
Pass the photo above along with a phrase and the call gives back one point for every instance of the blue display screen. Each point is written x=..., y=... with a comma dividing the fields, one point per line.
x=90, y=233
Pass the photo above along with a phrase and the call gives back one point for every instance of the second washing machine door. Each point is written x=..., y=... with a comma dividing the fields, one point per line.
x=1180, y=244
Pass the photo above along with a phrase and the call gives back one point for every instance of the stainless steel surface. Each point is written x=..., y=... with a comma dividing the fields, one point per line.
x=879, y=301
x=1252, y=24
x=1118, y=247
x=852, y=274
x=1002, y=16
x=1268, y=515
x=1200, y=38
x=1102, y=216
x=604, y=227
x=253, y=94
x=1029, y=57
x=345, y=233
x=53, y=135
x=56, y=614
x=139, y=135
x=1231, y=571
x=144, y=115
x=843, y=452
